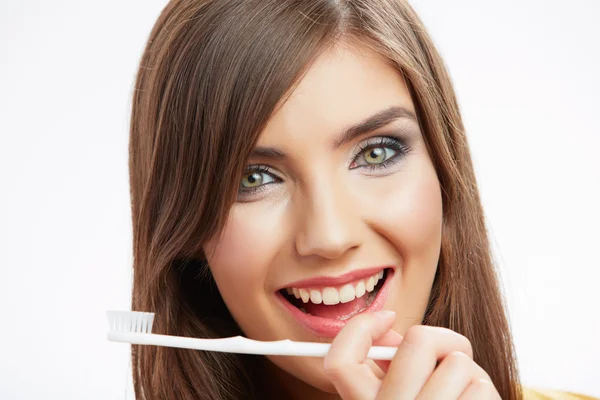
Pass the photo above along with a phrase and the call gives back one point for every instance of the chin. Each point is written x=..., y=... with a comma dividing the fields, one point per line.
x=303, y=372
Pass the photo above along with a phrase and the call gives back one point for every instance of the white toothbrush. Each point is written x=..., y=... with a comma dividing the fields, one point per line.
x=136, y=328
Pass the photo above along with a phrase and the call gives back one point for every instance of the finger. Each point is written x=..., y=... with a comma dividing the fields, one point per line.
x=391, y=339
x=345, y=363
x=416, y=359
x=480, y=389
x=452, y=377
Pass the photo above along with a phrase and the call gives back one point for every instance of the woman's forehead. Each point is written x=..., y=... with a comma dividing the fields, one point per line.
x=344, y=86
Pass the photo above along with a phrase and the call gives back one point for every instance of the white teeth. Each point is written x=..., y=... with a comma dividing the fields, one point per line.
x=330, y=296
x=360, y=289
x=370, y=284
x=347, y=293
x=304, y=295
x=315, y=297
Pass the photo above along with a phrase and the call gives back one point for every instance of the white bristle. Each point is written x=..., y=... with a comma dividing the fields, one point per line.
x=130, y=321
x=138, y=323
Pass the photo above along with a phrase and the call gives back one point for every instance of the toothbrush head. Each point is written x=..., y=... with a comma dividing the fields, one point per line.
x=130, y=321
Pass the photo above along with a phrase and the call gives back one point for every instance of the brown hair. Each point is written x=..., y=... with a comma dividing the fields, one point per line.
x=211, y=75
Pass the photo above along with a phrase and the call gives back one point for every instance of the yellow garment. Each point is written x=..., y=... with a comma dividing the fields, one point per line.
x=544, y=394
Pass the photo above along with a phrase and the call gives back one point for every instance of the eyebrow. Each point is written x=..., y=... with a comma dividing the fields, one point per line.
x=373, y=123
x=370, y=124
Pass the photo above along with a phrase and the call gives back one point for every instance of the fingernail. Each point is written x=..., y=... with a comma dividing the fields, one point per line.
x=385, y=314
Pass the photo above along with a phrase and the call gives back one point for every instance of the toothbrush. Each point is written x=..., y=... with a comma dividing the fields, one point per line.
x=136, y=328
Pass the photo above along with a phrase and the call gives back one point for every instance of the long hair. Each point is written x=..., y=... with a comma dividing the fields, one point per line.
x=211, y=75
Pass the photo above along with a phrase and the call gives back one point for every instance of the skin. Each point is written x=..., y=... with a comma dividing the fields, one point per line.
x=321, y=211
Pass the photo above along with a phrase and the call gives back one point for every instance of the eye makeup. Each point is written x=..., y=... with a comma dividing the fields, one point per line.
x=392, y=148
x=371, y=155
x=258, y=178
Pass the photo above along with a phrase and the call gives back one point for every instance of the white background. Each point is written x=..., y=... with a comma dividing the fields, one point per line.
x=526, y=74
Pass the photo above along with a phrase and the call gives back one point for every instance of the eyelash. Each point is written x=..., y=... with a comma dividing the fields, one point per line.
x=259, y=169
x=390, y=142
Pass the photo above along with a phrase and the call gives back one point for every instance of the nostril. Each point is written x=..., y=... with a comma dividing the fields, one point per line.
x=328, y=228
x=329, y=247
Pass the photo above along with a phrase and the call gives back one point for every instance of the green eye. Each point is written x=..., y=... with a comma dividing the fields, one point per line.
x=378, y=155
x=256, y=178
x=252, y=179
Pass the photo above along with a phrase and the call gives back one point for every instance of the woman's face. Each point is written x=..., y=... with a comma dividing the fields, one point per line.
x=339, y=190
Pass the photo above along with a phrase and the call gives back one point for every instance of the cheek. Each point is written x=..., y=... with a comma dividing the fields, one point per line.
x=247, y=242
x=230, y=254
x=239, y=261
x=409, y=216
x=412, y=220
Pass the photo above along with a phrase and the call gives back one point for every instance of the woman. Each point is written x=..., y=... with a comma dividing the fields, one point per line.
x=299, y=169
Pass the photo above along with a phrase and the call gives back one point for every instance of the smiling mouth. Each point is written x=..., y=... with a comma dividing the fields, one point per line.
x=337, y=303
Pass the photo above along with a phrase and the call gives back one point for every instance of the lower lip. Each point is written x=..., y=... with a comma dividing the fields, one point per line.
x=329, y=328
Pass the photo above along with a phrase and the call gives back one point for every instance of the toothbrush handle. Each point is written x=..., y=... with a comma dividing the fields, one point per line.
x=242, y=345
x=309, y=349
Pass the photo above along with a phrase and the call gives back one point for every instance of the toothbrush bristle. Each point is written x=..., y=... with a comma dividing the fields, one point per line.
x=130, y=321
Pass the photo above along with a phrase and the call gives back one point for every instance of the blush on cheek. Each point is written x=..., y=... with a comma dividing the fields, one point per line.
x=419, y=212
x=239, y=258
x=230, y=255
x=408, y=210
x=413, y=225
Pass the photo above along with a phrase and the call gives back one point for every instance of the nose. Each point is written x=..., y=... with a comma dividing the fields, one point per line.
x=329, y=222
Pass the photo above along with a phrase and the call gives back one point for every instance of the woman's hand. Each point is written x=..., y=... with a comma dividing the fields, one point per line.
x=430, y=363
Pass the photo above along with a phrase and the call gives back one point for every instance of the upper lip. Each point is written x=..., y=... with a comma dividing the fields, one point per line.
x=329, y=281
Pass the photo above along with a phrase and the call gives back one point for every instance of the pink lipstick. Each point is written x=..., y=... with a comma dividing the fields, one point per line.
x=322, y=305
